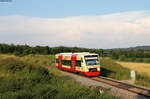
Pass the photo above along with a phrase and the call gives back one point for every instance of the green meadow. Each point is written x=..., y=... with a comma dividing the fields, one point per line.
x=110, y=68
x=35, y=77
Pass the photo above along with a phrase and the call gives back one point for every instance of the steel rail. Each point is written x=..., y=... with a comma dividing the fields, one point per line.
x=129, y=87
x=118, y=84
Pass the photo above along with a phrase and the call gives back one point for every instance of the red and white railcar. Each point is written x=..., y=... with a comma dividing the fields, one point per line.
x=86, y=63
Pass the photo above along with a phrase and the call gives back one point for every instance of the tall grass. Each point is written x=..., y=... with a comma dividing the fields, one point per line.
x=31, y=80
x=143, y=68
x=42, y=60
x=110, y=68
x=142, y=79
x=47, y=61
x=140, y=60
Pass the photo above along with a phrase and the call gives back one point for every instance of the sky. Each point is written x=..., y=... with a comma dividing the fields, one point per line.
x=82, y=23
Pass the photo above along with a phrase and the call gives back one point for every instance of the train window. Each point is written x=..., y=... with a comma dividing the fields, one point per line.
x=78, y=63
x=92, y=62
x=66, y=62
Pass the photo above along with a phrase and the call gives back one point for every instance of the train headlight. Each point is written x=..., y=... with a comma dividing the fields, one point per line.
x=98, y=68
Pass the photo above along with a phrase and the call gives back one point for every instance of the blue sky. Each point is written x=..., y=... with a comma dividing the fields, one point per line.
x=82, y=23
x=65, y=8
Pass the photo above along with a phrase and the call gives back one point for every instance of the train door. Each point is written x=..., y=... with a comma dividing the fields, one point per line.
x=60, y=61
x=73, y=60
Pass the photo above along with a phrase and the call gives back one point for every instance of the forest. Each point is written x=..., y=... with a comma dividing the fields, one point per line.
x=133, y=55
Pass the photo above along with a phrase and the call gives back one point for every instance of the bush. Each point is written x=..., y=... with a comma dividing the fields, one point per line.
x=12, y=84
x=146, y=60
x=24, y=94
x=142, y=77
x=35, y=82
x=122, y=57
x=139, y=60
x=12, y=64
x=46, y=91
x=111, y=69
x=39, y=75
x=143, y=83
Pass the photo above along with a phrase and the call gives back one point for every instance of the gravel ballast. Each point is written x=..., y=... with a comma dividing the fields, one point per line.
x=124, y=94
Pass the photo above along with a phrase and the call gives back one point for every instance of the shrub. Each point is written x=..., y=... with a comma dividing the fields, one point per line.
x=12, y=83
x=12, y=64
x=111, y=69
x=143, y=83
x=46, y=91
x=143, y=77
x=40, y=75
x=35, y=82
x=139, y=60
x=24, y=94
x=146, y=60
x=122, y=57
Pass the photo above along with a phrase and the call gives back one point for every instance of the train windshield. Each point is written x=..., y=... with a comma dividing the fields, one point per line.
x=91, y=60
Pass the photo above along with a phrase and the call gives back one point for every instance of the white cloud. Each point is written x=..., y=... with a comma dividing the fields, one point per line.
x=104, y=31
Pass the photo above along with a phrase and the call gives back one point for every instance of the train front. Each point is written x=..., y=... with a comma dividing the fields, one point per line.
x=92, y=65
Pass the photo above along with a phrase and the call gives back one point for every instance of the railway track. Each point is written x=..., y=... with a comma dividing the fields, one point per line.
x=129, y=87
x=121, y=85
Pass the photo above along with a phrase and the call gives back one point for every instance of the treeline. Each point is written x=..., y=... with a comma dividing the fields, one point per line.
x=118, y=54
x=131, y=55
x=21, y=50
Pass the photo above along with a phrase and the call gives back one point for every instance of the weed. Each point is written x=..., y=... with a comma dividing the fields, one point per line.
x=110, y=68
x=31, y=80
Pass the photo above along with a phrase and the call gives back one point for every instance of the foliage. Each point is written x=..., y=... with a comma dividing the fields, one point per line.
x=42, y=60
x=22, y=50
x=111, y=69
x=12, y=64
x=117, y=54
x=30, y=81
x=143, y=83
x=143, y=79
x=131, y=55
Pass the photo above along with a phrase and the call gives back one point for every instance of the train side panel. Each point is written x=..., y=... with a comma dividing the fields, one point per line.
x=74, y=64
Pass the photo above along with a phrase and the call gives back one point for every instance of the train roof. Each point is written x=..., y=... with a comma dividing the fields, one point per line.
x=78, y=53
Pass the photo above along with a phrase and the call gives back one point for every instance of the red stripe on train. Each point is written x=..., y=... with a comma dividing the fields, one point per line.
x=83, y=72
x=60, y=62
x=73, y=60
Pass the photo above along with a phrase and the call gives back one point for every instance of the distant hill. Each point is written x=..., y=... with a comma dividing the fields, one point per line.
x=134, y=48
x=139, y=47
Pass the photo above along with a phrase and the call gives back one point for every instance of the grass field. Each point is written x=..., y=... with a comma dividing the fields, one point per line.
x=121, y=71
x=3, y=56
x=143, y=68
x=111, y=69
x=47, y=61
x=35, y=76
x=27, y=78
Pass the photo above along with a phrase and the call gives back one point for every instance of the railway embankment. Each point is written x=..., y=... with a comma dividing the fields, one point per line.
x=112, y=69
x=27, y=78
x=102, y=86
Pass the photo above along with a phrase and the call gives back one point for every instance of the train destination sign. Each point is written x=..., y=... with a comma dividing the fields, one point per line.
x=87, y=58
